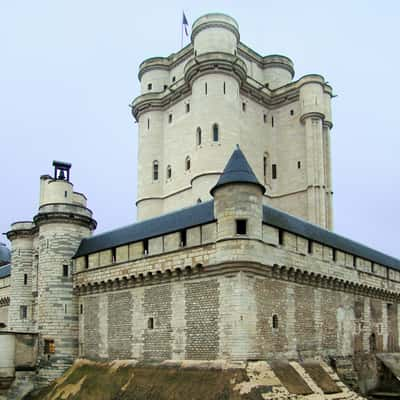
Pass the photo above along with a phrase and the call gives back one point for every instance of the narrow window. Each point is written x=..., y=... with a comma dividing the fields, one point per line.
x=310, y=247
x=86, y=262
x=373, y=268
x=243, y=106
x=354, y=261
x=215, y=133
x=173, y=79
x=291, y=112
x=65, y=194
x=113, y=255
x=65, y=309
x=199, y=200
x=145, y=246
x=148, y=123
x=298, y=164
x=272, y=121
x=81, y=308
x=65, y=270
x=23, y=312
x=187, y=163
x=169, y=172
x=224, y=88
x=275, y=322
x=150, y=323
x=183, y=241
x=280, y=234
x=265, y=118
x=149, y=86
x=334, y=255
x=155, y=170
x=241, y=226
x=187, y=107
x=265, y=163
x=25, y=279
x=165, y=87
x=198, y=136
x=170, y=118
x=274, y=171
x=205, y=88
x=49, y=347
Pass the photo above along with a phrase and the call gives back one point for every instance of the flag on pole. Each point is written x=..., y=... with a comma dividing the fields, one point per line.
x=185, y=24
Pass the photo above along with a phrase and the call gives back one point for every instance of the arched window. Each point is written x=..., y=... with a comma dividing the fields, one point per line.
x=187, y=163
x=198, y=136
x=169, y=172
x=155, y=170
x=275, y=322
x=215, y=131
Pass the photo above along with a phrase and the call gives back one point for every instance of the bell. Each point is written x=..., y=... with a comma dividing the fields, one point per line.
x=61, y=175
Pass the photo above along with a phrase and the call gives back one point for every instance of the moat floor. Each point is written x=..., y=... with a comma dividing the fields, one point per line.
x=195, y=380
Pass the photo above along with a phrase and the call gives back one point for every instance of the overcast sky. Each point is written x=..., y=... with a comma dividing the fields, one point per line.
x=68, y=72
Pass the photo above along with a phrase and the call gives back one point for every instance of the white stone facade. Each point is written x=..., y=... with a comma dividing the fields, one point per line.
x=283, y=126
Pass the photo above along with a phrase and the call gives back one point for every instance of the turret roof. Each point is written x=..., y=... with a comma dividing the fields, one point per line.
x=237, y=170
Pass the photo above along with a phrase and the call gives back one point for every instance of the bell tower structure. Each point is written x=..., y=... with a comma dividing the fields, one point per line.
x=197, y=104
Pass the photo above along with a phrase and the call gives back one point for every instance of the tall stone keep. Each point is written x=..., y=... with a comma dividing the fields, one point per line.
x=42, y=291
x=197, y=104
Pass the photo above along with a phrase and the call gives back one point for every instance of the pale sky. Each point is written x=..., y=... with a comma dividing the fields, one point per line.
x=68, y=72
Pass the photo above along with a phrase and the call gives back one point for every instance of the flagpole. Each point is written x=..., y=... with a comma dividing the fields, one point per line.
x=182, y=32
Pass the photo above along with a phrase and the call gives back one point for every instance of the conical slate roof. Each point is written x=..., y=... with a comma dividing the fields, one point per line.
x=237, y=170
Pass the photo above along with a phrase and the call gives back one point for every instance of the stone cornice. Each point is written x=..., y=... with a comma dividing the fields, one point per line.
x=64, y=217
x=214, y=24
x=280, y=272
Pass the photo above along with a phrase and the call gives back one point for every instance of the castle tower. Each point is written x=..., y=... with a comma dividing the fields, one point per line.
x=42, y=250
x=195, y=105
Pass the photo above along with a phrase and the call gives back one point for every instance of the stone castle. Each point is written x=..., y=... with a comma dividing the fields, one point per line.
x=233, y=256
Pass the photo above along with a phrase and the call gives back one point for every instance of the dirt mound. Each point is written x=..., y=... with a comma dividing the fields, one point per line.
x=123, y=380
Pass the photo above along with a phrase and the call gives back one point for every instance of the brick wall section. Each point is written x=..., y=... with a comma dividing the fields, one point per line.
x=157, y=305
x=119, y=325
x=305, y=318
x=91, y=337
x=271, y=340
x=202, y=315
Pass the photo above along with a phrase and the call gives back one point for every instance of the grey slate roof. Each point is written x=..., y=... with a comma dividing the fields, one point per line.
x=5, y=255
x=175, y=221
x=237, y=170
x=280, y=219
x=5, y=271
x=203, y=213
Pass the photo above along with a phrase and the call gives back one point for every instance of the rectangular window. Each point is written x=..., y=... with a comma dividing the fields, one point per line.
x=187, y=107
x=241, y=227
x=65, y=270
x=25, y=279
x=281, y=239
x=265, y=118
x=354, y=261
x=23, y=312
x=86, y=261
x=183, y=240
x=243, y=106
x=149, y=86
x=274, y=171
x=49, y=346
x=145, y=246
x=334, y=255
x=298, y=164
x=81, y=308
x=265, y=168
x=224, y=88
x=169, y=118
x=205, y=89
x=310, y=247
x=150, y=323
x=148, y=123
x=113, y=255
x=272, y=121
x=65, y=309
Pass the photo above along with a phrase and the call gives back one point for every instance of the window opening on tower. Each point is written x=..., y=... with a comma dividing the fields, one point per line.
x=155, y=170
x=198, y=136
x=169, y=172
x=215, y=133
x=187, y=163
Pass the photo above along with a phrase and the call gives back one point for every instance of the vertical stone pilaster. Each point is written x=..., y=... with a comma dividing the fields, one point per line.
x=178, y=321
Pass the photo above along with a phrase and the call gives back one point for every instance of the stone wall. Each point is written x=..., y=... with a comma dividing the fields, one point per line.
x=233, y=316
